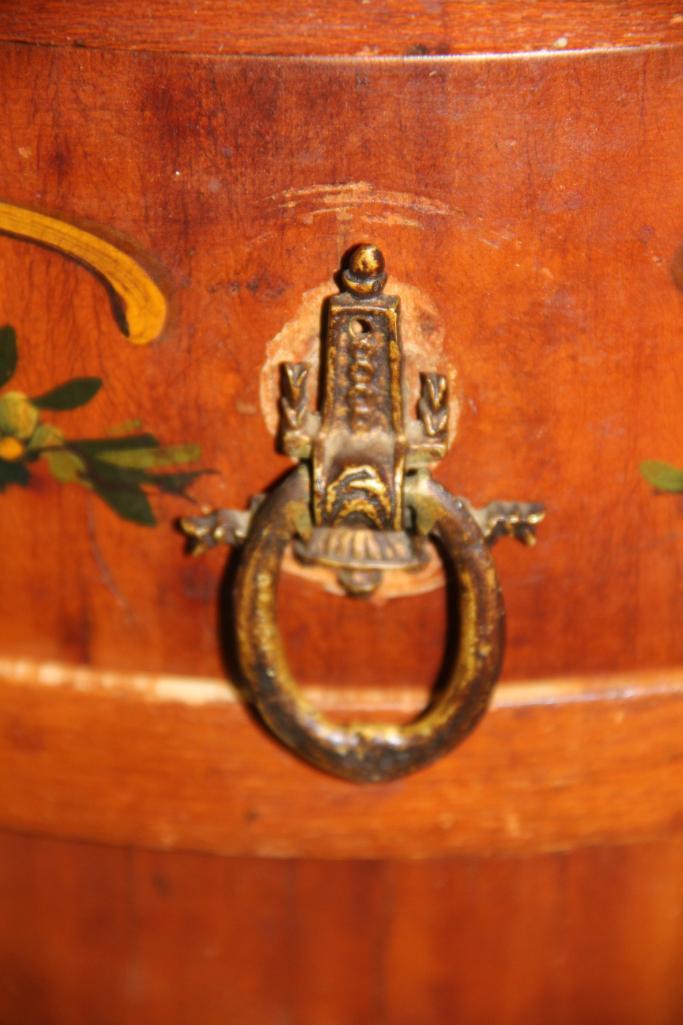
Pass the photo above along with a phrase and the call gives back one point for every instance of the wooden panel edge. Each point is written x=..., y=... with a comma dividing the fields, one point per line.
x=404, y=28
x=126, y=759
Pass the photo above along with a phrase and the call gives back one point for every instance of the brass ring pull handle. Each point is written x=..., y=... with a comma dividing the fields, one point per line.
x=365, y=506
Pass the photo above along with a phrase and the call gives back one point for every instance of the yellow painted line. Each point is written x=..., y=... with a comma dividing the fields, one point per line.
x=144, y=304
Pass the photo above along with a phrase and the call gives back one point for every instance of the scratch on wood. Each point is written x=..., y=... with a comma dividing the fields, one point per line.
x=359, y=194
x=344, y=212
x=106, y=575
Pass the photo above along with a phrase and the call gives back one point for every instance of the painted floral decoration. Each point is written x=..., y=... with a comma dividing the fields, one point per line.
x=121, y=469
x=662, y=476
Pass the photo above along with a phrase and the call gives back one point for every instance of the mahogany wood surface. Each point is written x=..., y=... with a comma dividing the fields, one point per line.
x=573, y=763
x=96, y=934
x=530, y=207
x=534, y=207
x=331, y=27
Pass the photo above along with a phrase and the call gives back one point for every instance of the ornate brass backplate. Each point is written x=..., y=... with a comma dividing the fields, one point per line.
x=362, y=501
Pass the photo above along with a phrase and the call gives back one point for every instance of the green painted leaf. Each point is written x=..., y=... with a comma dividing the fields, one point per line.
x=98, y=446
x=146, y=458
x=66, y=467
x=8, y=353
x=99, y=470
x=662, y=476
x=69, y=395
x=13, y=473
x=129, y=503
x=45, y=436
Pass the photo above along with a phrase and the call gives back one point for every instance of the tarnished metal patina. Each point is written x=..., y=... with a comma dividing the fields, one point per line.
x=362, y=501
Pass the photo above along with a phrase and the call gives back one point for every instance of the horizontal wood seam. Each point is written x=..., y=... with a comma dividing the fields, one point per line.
x=190, y=690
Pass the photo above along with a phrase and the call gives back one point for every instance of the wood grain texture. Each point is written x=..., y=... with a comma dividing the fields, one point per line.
x=96, y=934
x=358, y=27
x=573, y=763
x=529, y=207
x=534, y=203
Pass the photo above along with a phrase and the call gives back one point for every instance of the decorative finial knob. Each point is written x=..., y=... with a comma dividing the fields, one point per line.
x=365, y=275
